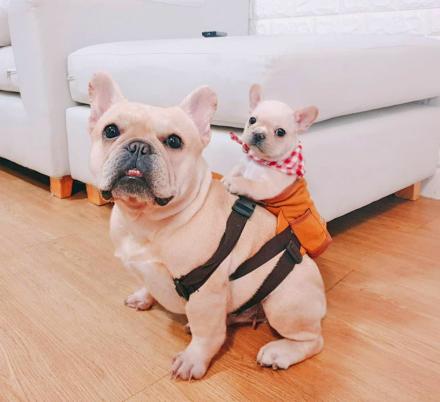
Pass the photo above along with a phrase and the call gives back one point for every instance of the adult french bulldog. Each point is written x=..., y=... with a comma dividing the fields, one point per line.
x=169, y=216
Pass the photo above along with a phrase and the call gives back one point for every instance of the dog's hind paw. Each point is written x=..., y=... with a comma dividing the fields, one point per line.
x=140, y=300
x=283, y=353
x=187, y=366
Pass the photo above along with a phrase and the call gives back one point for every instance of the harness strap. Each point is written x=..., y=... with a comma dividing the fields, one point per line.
x=242, y=210
x=283, y=267
x=269, y=250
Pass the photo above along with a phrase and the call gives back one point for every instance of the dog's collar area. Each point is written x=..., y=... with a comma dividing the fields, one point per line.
x=293, y=165
x=242, y=210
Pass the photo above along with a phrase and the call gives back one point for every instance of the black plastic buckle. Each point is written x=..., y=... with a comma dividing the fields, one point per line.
x=181, y=289
x=294, y=252
x=244, y=207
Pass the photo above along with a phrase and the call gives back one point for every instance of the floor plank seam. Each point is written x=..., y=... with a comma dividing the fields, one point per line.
x=29, y=247
x=339, y=281
x=146, y=387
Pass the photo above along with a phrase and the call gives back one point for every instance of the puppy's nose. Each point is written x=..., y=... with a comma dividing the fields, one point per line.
x=138, y=147
x=258, y=138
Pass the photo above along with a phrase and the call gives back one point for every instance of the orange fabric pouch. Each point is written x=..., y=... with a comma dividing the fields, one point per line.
x=295, y=207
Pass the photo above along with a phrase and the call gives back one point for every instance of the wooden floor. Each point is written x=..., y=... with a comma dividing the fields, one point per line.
x=66, y=335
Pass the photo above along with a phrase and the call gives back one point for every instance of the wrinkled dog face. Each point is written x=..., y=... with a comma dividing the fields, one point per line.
x=141, y=146
x=146, y=154
x=272, y=129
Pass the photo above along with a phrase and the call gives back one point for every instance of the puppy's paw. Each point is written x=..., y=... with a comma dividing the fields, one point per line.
x=140, y=300
x=188, y=365
x=233, y=184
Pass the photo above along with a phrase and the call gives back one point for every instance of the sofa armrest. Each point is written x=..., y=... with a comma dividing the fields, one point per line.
x=45, y=32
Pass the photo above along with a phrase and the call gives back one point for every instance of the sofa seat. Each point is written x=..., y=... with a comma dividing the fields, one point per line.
x=8, y=73
x=341, y=74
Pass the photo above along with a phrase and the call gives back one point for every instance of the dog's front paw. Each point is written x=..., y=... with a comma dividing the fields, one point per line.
x=233, y=184
x=188, y=365
x=140, y=300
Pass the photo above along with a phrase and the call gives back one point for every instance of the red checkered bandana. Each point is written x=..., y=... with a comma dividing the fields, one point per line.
x=292, y=165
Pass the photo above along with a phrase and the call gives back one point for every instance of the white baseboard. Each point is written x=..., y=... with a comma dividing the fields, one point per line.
x=431, y=186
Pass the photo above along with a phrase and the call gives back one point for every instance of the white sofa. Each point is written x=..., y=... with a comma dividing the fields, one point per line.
x=380, y=116
x=34, y=91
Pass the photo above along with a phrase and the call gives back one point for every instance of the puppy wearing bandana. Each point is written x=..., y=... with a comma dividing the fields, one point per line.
x=272, y=171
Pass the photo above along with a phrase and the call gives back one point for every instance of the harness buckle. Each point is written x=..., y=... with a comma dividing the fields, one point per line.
x=294, y=251
x=244, y=207
x=181, y=289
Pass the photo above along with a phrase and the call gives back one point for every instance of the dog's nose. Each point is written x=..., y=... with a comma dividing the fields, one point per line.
x=138, y=147
x=258, y=138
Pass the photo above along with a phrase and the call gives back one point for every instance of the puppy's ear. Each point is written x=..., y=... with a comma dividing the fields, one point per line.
x=304, y=118
x=103, y=93
x=254, y=96
x=201, y=105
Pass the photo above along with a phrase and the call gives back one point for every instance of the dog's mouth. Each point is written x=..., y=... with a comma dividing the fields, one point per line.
x=162, y=201
x=262, y=150
x=134, y=173
x=258, y=146
x=257, y=149
x=133, y=182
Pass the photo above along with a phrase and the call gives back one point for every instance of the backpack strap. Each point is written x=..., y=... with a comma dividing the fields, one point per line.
x=269, y=250
x=291, y=256
x=242, y=210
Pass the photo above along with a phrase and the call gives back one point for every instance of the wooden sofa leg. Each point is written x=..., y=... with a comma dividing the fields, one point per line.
x=410, y=193
x=61, y=187
x=94, y=195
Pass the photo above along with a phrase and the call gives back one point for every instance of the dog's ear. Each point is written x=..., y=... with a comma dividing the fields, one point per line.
x=103, y=93
x=304, y=118
x=254, y=96
x=201, y=105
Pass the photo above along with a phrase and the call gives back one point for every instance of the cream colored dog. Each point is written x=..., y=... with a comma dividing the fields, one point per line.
x=169, y=216
x=271, y=133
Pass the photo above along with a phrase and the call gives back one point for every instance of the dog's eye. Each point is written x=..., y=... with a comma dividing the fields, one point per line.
x=173, y=141
x=252, y=120
x=111, y=131
x=280, y=132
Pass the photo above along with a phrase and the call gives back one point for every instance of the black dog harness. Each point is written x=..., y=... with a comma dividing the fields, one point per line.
x=242, y=210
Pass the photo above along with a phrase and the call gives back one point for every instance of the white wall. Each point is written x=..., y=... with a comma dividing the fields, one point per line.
x=346, y=16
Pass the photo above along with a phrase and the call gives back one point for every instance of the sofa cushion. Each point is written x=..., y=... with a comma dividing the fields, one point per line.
x=341, y=74
x=5, y=39
x=8, y=74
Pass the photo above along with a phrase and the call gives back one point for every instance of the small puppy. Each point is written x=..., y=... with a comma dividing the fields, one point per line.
x=169, y=216
x=270, y=135
x=273, y=169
